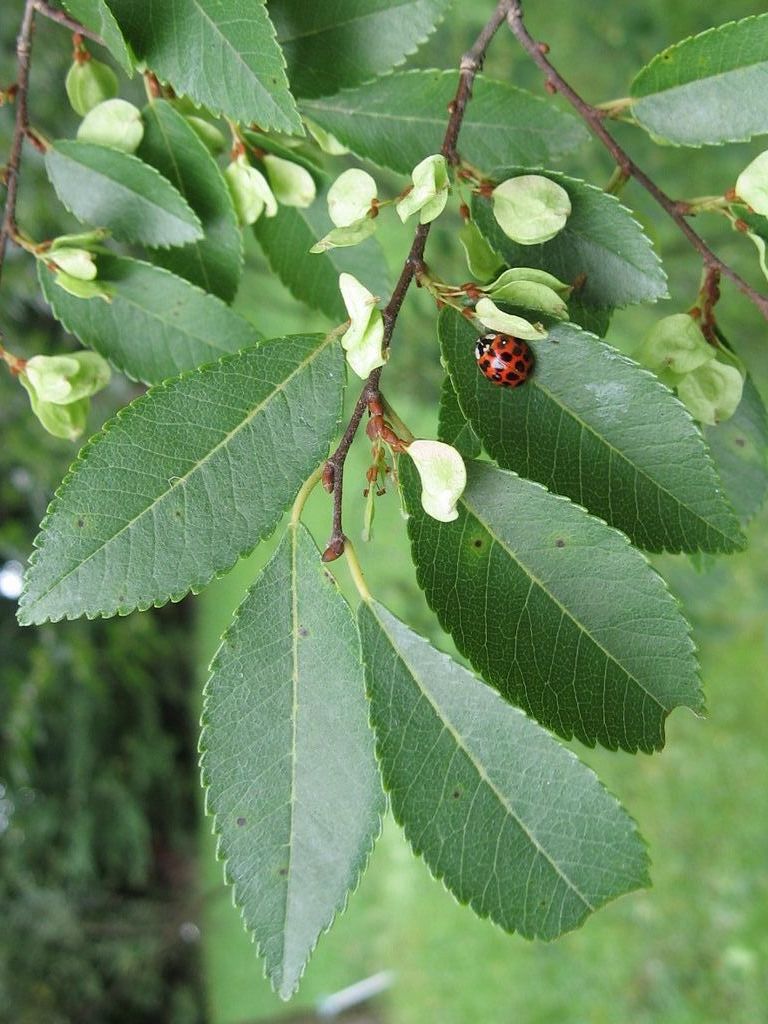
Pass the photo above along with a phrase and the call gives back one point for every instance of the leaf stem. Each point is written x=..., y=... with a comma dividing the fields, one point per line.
x=54, y=14
x=304, y=492
x=594, y=118
x=470, y=64
x=356, y=572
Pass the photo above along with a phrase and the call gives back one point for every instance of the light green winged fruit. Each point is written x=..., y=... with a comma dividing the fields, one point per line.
x=114, y=123
x=675, y=346
x=483, y=262
x=495, y=319
x=429, y=192
x=76, y=262
x=88, y=83
x=530, y=209
x=250, y=191
x=363, y=339
x=60, y=388
x=291, y=184
x=208, y=133
x=531, y=289
x=443, y=477
x=711, y=392
x=752, y=184
x=350, y=201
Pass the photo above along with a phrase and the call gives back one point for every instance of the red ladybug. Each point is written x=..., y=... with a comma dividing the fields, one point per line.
x=505, y=360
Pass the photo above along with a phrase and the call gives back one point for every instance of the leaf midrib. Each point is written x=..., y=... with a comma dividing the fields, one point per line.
x=181, y=479
x=443, y=717
x=141, y=197
x=534, y=579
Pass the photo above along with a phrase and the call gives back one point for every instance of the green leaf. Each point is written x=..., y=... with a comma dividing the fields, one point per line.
x=453, y=426
x=314, y=277
x=512, y=822
x=116, y=190
x=222, y=53
x=331, y=46
x=739, y=449
x=593, y=425
x=155, y=326
x=708, y=89
x=555, y=609
x=185, y=480
x=174, y=148
x=601, y=240
x=398, y=120
x=96, y=16
x=288, y=757
x=589, y=318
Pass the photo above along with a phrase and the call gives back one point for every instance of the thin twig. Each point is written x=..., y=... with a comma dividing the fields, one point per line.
x=594, y=119
x=471, y=63
x=20, y=129
x=62, y=18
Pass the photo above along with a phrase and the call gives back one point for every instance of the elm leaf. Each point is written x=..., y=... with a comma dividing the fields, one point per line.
x=185, y=480
x=399, y=119
x=155, y=325
x=591, y=424
x=555, y=609
x=512, y=822
x=287, y=757
x=116, y=190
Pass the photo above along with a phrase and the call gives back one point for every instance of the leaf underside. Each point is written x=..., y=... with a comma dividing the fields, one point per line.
x=288, y=759
x=593, y=425
x=185, y=480
x=555, y=610
x=155, y=326
x=398, y=120
x=708, y=89
x=513, y=823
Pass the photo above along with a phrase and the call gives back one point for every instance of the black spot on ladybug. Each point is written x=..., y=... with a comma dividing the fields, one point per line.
x=240, y=822
x=504, y=360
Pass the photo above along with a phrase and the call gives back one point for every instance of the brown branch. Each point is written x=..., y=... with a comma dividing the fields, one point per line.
x=20, y=128
x=62, y=18
x=471, y=63
x=594, y=119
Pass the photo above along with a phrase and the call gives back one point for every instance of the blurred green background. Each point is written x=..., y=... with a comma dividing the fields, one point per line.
x=113, y=907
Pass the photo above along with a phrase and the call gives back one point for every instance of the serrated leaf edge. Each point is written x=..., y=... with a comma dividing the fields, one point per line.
x=419, y=853
x=637, y=100
x=156, y=269
x=141, y=240
x=559, y=176
x=741, y=541
x=699, y=710
x=217, y=828
x=82, y=456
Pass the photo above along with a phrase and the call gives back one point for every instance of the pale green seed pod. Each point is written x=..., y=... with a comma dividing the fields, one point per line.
x=531, y=295
x=66, y=379
x=114, y=123
x=350, y=197
x=711, y=392
x=339, y=238
x=89, y=83
x=429, y=193
x=250, y=191
x=208, y=133
x=489, y=314
x=363, y=338
x=482, y=261
x=752, y=184
x=676, y=344
x=443, y=478
x=77, y=263
x=65, y=421
x=531, y=209
x=291, y=183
